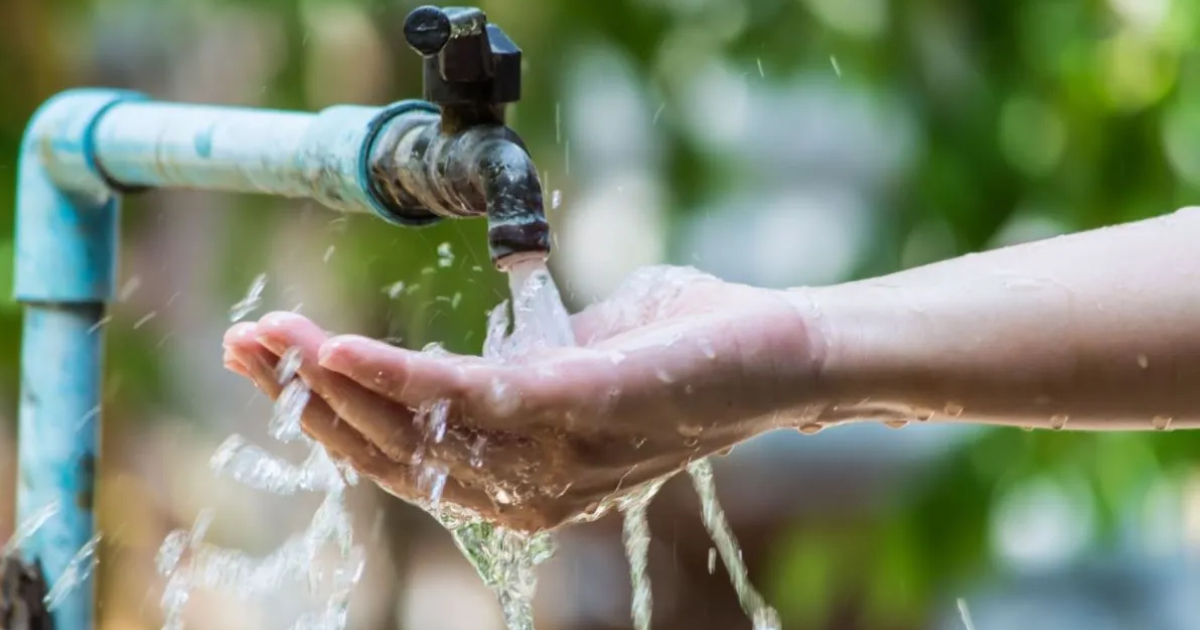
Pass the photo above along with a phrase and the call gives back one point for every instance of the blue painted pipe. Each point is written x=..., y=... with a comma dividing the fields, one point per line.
x=82, y=149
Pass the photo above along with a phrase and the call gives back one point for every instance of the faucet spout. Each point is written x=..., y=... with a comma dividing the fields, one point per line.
x=423, y=172
x=512, y=193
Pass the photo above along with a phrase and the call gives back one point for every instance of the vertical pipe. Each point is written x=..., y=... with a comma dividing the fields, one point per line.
x=58, y=438
x=66, y=244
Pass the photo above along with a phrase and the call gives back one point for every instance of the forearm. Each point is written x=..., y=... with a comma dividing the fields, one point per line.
x=1097, y=330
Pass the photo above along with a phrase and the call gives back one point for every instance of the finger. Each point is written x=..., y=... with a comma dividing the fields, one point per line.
x=594, y=323
x=490, y=395
x=343, y=442
x=384, y=422
x=412, y=378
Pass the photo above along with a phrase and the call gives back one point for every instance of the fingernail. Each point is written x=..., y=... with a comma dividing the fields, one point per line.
x=327, y=355
x=279, y=318
x=235, y=366
x=274, y=345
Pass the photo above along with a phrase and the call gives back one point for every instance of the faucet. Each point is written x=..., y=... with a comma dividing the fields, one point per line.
x=467, y=162
x=412, y=163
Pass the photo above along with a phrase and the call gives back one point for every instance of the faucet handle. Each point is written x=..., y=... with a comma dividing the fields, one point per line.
x=467, y=60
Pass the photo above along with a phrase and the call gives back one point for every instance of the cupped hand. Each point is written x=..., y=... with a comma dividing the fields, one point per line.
x=676, y=365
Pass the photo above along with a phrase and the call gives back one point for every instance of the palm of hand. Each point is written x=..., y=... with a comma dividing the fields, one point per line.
x=674, y=366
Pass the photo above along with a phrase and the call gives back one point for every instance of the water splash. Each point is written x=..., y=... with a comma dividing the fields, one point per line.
x=763, y=616
x=252, y=301
x=187, y=562
x=28, y=527
x=79, y=568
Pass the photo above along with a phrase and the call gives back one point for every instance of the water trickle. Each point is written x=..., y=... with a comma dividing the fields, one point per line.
x=810, y=429
x=252, y=301
x=763, y=616
x=188, y=563
x=712, y=560
x=635, y=532
x=965, y=613
x=896, y=423
x=556, y=199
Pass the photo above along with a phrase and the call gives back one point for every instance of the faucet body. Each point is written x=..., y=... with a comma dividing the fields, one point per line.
x=411, y=163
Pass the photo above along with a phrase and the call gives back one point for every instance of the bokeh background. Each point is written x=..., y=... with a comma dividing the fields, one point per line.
x=775, y=142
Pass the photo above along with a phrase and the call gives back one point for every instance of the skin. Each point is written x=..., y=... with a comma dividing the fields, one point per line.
x=1094, y=331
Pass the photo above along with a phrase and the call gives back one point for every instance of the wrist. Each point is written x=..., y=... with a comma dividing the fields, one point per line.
x=854, y=332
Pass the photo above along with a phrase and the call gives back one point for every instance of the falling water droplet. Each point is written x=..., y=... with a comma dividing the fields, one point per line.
x=79, y=568
x=145, y=318
x=712, y=560
x=953, y=409
x=328, y=255
x=129, y=288
x=289, y=407
x=1162, y=423
x=896, y=424
x=394, y=289
x=289, y=364
x=477, y=451
x=29, y=526
x=556, y=199
x=1143, y=361
x=252, y=300
x=445, y=255
x=1058, y=422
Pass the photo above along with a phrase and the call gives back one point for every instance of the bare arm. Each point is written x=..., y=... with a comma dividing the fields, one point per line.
x=1098, y=330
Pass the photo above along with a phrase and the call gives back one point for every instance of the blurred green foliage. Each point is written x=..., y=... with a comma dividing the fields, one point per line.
x=1079, y=108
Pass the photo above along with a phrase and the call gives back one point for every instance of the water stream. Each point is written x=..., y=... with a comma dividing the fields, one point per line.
x=763, y=616
x=321, y=560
